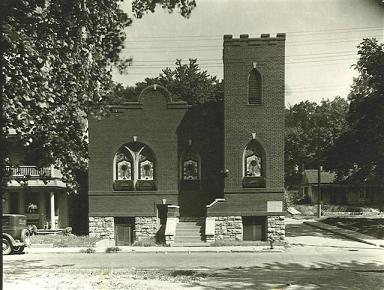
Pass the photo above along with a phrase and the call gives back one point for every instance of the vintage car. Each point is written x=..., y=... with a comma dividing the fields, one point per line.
x=16, y=235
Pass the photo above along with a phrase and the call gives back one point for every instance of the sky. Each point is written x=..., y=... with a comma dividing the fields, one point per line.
x=321, y=43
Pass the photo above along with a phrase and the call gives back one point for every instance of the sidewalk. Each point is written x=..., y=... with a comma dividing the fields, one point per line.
x=129, y=249
x=347, y=233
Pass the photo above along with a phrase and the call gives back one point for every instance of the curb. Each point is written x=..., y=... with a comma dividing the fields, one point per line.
x=346, y=233
x=154, y=250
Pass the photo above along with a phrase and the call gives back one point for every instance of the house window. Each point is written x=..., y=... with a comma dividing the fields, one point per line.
x=254, y=165
x=363, y=196
x=254, y=87
x=135, y=167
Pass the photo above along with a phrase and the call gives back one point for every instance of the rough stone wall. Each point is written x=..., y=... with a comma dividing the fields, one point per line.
x=276, y=228
x=229, y=228
x=102, y=227
x=145, y=227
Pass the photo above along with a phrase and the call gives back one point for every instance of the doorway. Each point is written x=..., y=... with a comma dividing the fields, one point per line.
x=124, y=231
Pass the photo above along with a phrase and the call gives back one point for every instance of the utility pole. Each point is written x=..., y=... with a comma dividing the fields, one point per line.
x=319, y=169
x=319, y=191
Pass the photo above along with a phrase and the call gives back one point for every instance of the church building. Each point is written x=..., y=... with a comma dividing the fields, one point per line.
x=162, y=169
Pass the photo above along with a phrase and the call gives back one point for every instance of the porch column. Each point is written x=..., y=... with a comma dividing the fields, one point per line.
x=41, y=207
x=52, y=199
x=6, y=202
x=21, y=202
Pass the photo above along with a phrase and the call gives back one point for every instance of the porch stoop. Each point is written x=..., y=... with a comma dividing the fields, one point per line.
x=190, y=232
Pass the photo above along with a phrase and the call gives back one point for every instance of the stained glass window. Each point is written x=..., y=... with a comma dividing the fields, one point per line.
x=124, y=170
x=253, y=159
x=146, y=170
x=190, y=170
x=253, y=164
x=134, y=162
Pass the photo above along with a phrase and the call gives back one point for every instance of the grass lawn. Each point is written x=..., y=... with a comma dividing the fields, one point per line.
x=62, y=241
x=369, y=226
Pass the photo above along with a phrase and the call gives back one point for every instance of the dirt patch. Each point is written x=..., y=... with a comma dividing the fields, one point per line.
x=106, y=279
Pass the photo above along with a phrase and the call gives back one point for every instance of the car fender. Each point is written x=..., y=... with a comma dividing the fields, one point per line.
x=9, y=237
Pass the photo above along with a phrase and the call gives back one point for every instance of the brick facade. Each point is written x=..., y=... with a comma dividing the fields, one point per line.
x=243, y=121
x=217, y=133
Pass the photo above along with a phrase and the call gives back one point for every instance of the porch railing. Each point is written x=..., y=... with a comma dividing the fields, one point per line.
x=32, y=171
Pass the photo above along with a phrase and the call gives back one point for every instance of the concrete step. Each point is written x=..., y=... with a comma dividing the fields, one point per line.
x=191, y=219
x=185, y=230
x=190, y=244
x=188, y=241
x=189, y=231
x=191, y=228
x=188, y=234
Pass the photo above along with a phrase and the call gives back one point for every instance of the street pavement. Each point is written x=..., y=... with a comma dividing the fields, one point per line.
x=314, y=259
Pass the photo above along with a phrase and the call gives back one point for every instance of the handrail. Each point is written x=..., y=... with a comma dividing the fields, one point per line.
x=32, y=171
x=173, y=206
x=215, y=201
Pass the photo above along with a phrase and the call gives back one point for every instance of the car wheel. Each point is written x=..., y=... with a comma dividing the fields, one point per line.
x=18, y=250
x=7, y=248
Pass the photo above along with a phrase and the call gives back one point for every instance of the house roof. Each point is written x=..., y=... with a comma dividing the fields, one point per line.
x=310, y=176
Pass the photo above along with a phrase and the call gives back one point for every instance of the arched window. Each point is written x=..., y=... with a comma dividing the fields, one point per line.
x=254, y=165
x=135, y=167
x=254, y=87
x=190, y=170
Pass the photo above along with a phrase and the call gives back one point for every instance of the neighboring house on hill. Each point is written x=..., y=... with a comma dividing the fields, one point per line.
x=162, y=168
x=350, y=191
x=38, y=193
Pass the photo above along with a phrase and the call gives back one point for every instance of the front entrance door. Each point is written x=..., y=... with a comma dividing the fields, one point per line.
x=192, y=203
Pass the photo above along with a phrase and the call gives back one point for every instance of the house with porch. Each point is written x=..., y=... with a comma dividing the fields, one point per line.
x=193, y=174
x=351, y=190
x=38, y=193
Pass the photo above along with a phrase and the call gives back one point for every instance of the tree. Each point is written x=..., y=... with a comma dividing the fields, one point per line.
x=361, y=147
x=186, y=82
x=57, y=59
x=311, y=129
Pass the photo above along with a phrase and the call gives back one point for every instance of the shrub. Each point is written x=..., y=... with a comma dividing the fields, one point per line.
x=147, y=242
x=112, y=250
x=67, y=231
x=88, y=251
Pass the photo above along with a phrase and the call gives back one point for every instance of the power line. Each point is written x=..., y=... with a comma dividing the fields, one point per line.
x=324, y=31
x=206, y=65
x=219, y=48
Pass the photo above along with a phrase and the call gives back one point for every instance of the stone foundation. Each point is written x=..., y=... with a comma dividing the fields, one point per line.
x=229, y=228
x=276, y=228
x=145, y=227
x=102, y=227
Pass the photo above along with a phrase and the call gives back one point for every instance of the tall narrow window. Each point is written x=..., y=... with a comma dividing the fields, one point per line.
x=254, y=165
x=123, y=167
x=254, y=87
x=190, y=170
x=135, y=167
